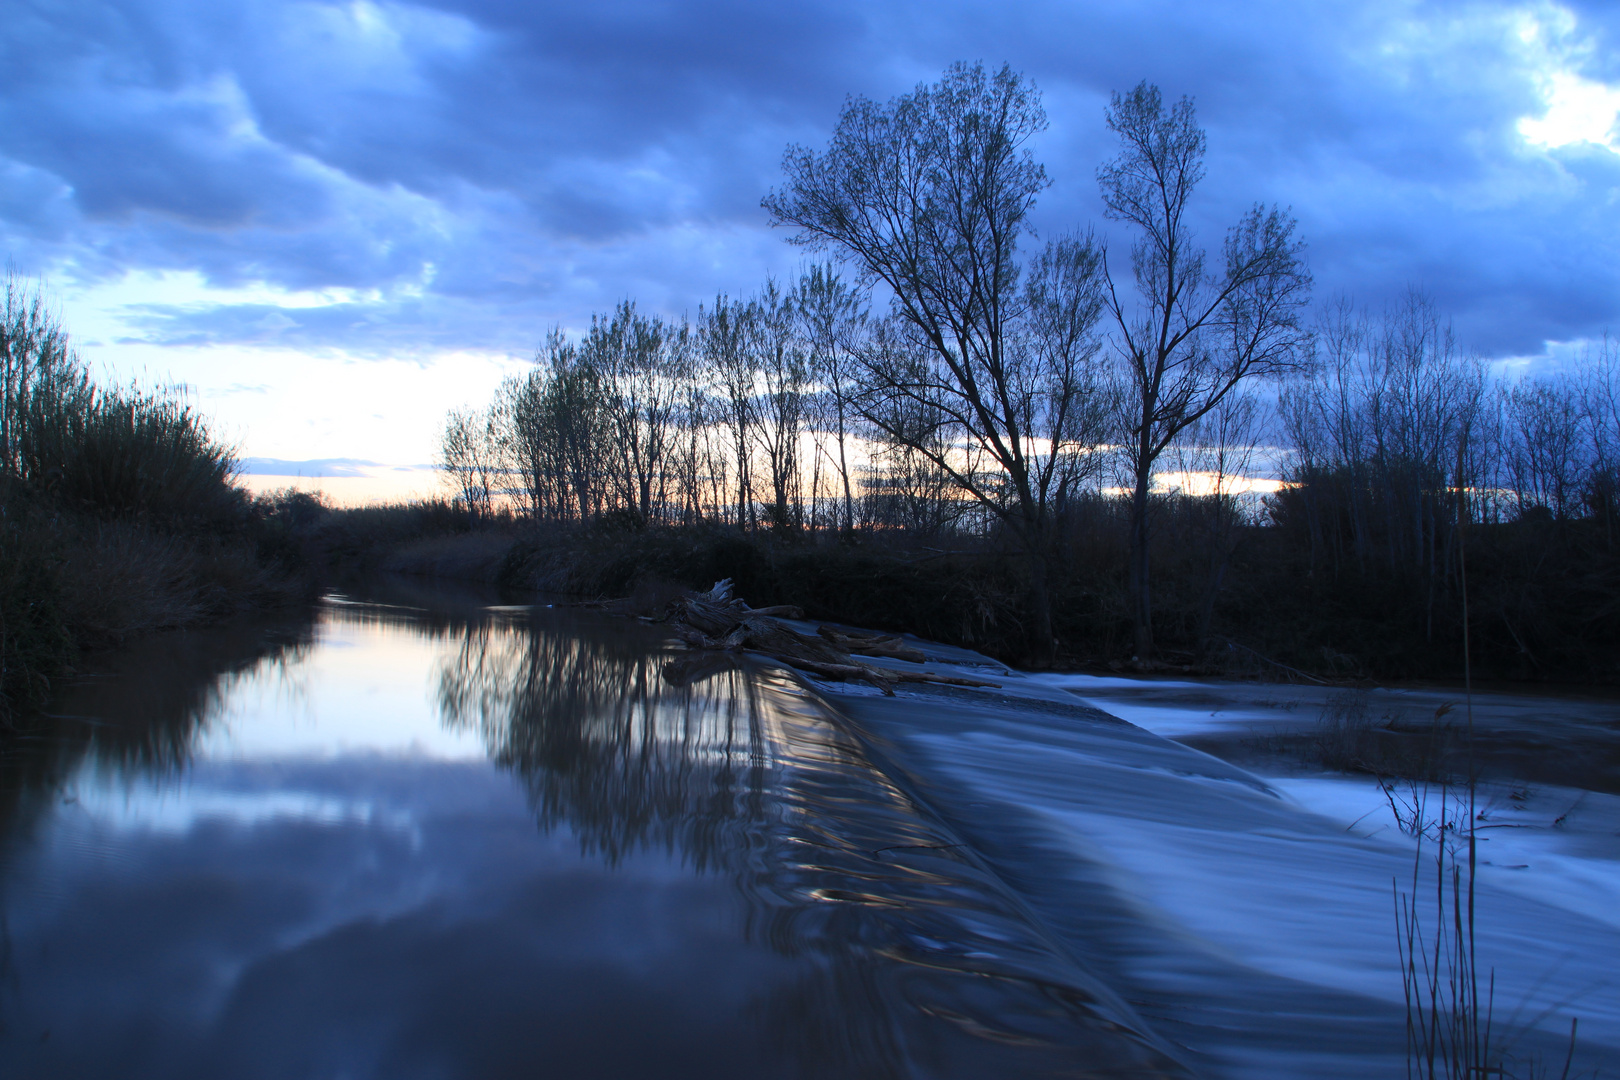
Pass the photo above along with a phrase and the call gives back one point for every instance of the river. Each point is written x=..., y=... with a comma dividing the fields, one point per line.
x=442, y=839
x=426, y=834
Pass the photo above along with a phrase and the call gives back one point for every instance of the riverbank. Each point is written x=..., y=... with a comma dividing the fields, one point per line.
x=72, y=585
x=119, y=513
x=1275, y=621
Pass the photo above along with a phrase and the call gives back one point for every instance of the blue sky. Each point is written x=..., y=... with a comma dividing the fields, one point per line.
x=335, y=220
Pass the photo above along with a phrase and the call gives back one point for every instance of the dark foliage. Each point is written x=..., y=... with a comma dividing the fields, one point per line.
x=118, y=513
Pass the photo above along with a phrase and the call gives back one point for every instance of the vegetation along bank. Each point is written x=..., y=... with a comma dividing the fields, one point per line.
x=1159, y=458
x=1051, y=454
x=119, y=514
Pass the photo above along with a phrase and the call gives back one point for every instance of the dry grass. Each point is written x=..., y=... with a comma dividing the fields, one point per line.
x=119, y=578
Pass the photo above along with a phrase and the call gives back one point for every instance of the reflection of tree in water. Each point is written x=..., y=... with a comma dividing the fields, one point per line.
x=879, y=931
x=607, y=747
x=905, y=954
x=603, y=744
x=138, y=711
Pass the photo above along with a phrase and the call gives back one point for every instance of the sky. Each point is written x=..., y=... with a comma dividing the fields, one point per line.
x=329, y=223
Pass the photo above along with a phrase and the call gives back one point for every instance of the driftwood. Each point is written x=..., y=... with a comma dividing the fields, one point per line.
x=718, y=621
x=872, y=644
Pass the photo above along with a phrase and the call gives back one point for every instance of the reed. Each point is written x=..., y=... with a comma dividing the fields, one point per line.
x=1450, y=1000
x=119, y=511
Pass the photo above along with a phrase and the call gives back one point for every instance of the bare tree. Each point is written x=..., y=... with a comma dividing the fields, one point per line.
x=784, y=374
x=832, y=324
x=469, y=458
x=1386, y=430
x=641, y=363
x=536, y=431
x=1545, y=455
x=1598, y=382
x=929, y=195
x=567, y=418
x=726, y=334
x=691, y=455
x=1193, y=333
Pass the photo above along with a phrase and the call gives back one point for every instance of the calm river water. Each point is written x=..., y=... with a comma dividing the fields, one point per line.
x=438, y=839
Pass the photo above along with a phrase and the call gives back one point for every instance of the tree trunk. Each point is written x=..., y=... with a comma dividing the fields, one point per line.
x=1141, y=596
x=1042, y=647
x=843, y=471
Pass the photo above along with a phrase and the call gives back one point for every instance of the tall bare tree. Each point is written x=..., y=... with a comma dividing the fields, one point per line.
x=726, y=333
x=832, y=323
x=641, y=363
x=1192, y=332
x=569, y=413
x=929, y=195
x=784, y=374
x=1546, y=456
x=470, y=458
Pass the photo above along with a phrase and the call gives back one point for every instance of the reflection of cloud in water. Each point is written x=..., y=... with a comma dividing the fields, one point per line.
x=723, y=885
x=146, y=806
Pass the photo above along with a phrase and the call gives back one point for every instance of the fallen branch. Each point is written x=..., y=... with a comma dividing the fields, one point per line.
x=872, y=644
x=1259, y=656
x=780, y=611
x=717, y=621
x=949, y=680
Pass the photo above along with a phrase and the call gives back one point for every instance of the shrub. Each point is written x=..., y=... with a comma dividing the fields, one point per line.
x=35, y=644
x=118, y=511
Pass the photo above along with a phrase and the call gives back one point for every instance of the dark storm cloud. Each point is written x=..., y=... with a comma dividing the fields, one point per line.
x=504, y=165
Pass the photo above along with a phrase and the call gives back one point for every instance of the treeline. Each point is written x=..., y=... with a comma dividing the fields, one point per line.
x=1093, y=422
x=757, y=414
x=1389, y=443
x=1418, y=481
x=119, y=511
x=753, y=416
x=1398, y=440
x=986, y=390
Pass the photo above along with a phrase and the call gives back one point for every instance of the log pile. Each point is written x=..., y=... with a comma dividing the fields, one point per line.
x=718, y=621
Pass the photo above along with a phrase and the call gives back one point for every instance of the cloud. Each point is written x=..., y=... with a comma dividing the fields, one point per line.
x=314, y=467
x=474, y=171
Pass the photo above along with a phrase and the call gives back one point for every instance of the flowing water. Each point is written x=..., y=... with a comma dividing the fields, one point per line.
x=425, y=835
x=439, y=839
